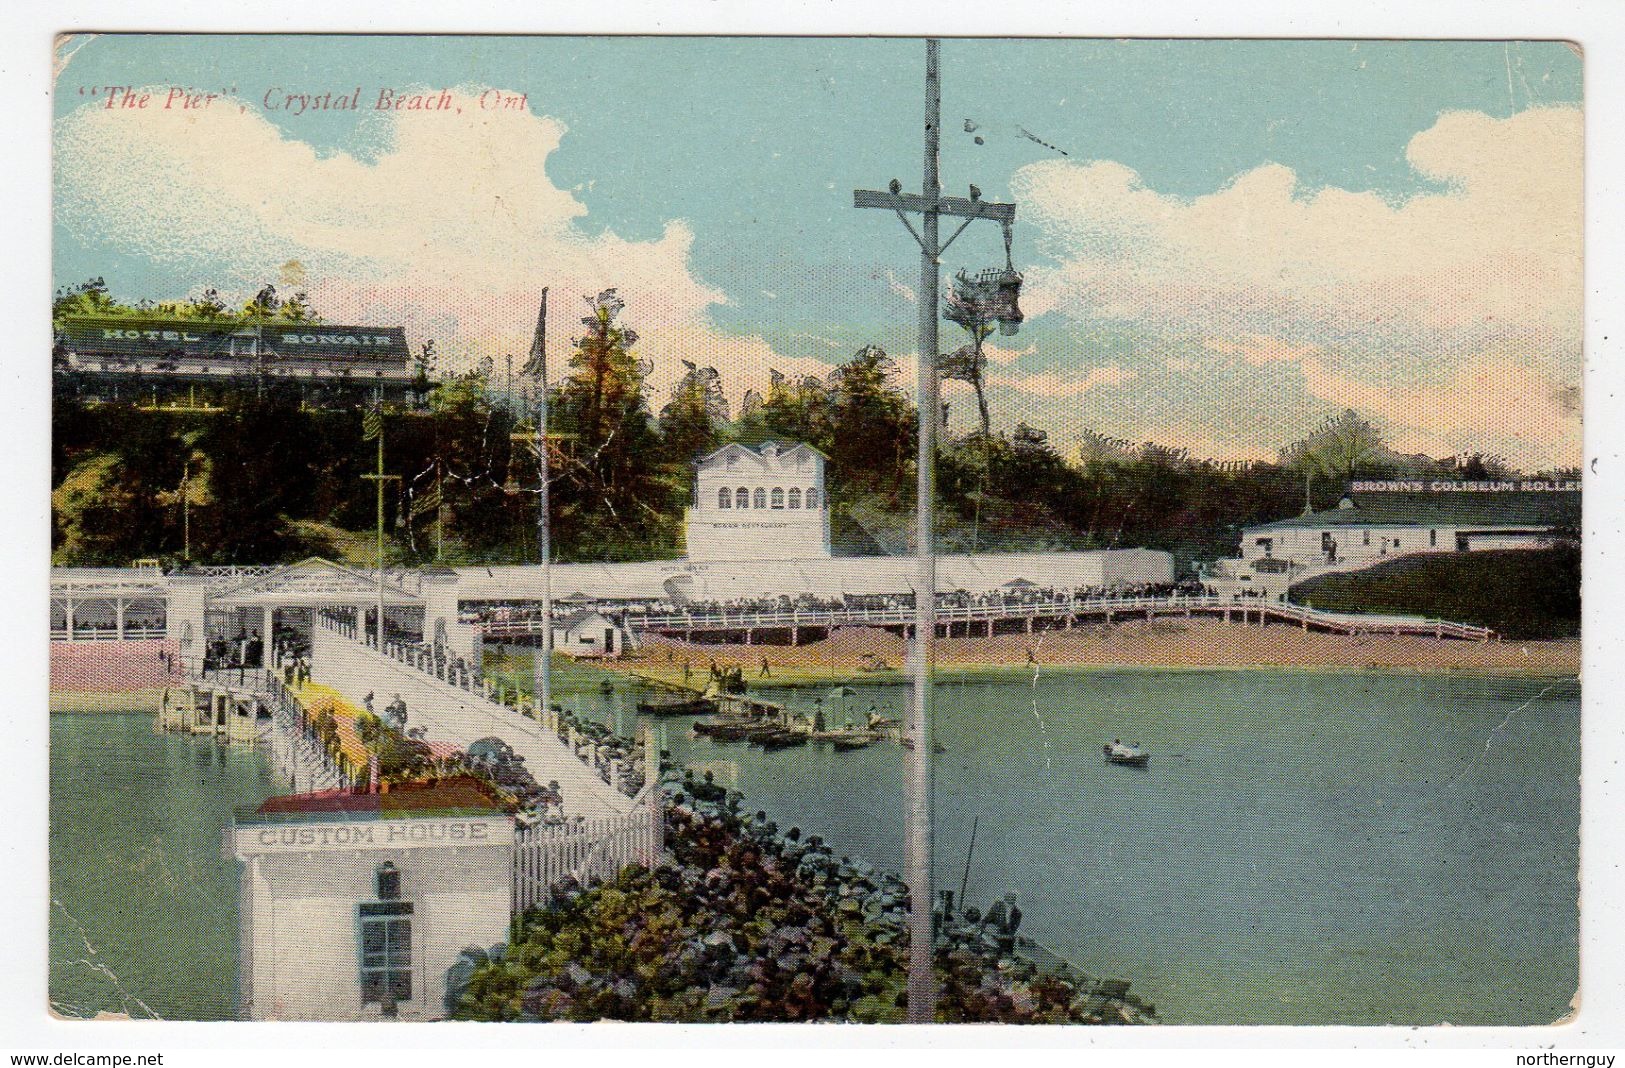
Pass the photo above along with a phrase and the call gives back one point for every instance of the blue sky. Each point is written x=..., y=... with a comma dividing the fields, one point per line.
x=731, y=163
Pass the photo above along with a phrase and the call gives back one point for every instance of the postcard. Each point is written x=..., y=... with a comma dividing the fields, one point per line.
x=825, y=530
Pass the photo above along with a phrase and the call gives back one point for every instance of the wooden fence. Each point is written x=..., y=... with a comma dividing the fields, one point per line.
x=586, y=850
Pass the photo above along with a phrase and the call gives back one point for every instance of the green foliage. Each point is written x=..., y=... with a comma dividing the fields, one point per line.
x=277, y=476
x=742, y=928
x=693, y=421
x=111, y=504
x=1527, y=594
x=92, y=298
x=614, y=493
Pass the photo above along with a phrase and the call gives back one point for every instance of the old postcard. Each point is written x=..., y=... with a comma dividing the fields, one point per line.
x=866, y=530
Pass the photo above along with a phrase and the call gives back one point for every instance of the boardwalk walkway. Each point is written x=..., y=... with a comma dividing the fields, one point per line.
x=793, y=626
x=460, y=717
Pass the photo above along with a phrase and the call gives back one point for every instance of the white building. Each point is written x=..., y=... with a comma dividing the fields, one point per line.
x=1380, y=521
x=586, y=633
x=355, y=906
x=763, y=503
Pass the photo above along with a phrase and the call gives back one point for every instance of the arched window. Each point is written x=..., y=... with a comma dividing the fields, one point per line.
x=742, y=497
x=761, y=497
x=778, y=496
x=795, y=497
x=812, y=498
x=725, y=497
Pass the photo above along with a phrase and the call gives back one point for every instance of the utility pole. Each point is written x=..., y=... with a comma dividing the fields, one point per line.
x=537, y=365
x=930, y=204
x=373, y=430
x=186, y=513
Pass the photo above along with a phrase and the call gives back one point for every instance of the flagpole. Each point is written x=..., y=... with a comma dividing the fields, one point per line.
x=544, y=521
x=372, y=429
x=380, y=527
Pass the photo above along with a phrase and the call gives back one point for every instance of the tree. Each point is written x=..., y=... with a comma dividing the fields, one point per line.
x=691, y=423
x=797, y=410
x=89, y=297
x=872, y=432
x=1337, y=448
x=613, y=494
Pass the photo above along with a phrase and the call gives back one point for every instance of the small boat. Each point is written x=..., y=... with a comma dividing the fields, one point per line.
x=908, y=743
x=698, y=706
x=782, y=739
x=1130, y=755
x=724, y=730
x=845, y=741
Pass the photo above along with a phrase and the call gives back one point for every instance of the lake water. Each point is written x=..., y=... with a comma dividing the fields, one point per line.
x=1306, y=847
x=143, y=902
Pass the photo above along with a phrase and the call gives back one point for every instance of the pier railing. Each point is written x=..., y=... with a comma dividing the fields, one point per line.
x=295, y=748
x=498, y=701
x=949, y=615
x=586, y=850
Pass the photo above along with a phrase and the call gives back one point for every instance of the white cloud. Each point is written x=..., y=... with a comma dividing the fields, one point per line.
x=1051, y=384
x=452, y=227
x=1433, y=312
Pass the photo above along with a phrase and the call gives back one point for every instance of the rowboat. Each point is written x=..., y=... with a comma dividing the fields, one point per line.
x=724, y=730
x=697, y=706
x=855, y=740
x=782, y=739
x=1130, y=755
x=847, y=738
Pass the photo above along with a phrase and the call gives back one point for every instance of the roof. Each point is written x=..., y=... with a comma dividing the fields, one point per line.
x=312, y=581
x=723, y=579
x=580, y=616
x=152, y=337
x=456, y=796
x=1517, y=509
x=784, y=448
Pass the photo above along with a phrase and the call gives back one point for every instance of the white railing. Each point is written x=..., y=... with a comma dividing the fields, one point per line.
x=108, y=634
x=295, y=749
x=981, y=613
x=586, y=850
x=499, y=704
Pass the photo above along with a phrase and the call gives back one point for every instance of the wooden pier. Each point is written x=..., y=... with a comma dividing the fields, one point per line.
x=229, y=712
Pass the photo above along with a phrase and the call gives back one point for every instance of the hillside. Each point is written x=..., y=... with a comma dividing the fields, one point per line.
x=1524, y=593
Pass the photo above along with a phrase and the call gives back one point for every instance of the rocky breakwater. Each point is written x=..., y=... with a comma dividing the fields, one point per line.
x=746, y=922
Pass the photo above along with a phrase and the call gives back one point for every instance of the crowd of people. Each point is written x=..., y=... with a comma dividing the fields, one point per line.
x=1007, y=596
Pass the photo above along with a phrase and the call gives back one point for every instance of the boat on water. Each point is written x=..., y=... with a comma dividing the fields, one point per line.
x=724, y=730
x=845, y=741
x=908, y=743
x=781, y=739
x=1130, y=755
x=696, y=706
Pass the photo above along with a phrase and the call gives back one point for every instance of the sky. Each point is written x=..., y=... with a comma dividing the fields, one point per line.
x=1223, y=241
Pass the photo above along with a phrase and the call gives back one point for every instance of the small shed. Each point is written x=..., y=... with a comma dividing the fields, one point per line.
x=588, y=633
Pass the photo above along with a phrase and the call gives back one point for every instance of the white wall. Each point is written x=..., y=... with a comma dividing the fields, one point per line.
x=1303, y=544
x=751, y=533
x=301, y=955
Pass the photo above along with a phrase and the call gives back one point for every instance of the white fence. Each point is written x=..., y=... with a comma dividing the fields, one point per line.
x=586, y=850
x=987, y=614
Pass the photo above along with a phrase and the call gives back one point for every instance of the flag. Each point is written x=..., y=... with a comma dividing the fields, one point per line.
x=536, y=364
x=372, y=424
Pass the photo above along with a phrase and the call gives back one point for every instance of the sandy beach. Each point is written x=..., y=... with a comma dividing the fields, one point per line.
x=1196, y=643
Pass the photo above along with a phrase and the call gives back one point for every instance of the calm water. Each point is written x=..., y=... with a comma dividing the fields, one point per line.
x=1306, y=847
x=143, y=903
